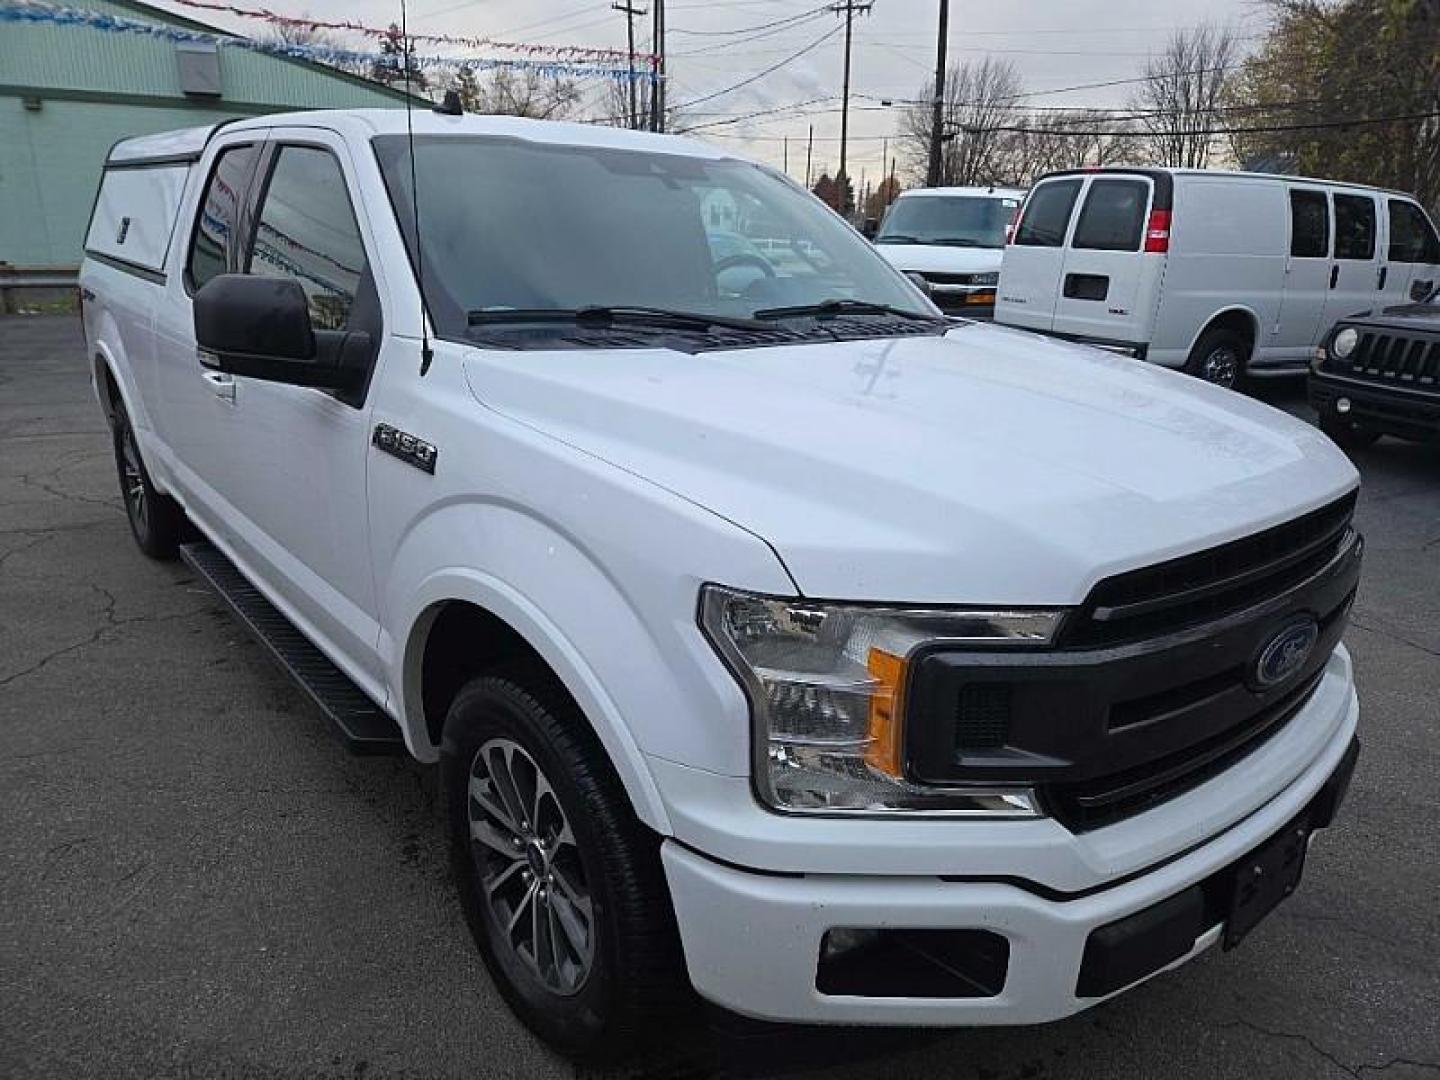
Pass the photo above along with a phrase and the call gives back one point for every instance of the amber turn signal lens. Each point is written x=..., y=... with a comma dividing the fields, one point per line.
x=882, y=752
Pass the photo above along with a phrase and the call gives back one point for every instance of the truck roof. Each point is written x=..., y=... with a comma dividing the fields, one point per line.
x=998, y=192
x=189, y=143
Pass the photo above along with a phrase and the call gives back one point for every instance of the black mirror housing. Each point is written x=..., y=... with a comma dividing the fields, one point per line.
x=260, y=327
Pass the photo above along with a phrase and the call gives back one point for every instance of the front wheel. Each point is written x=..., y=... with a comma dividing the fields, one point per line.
x=1220, y=357
x=560, y=883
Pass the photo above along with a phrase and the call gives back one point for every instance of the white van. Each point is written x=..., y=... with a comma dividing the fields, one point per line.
x=1223, y=274
x=953, y=237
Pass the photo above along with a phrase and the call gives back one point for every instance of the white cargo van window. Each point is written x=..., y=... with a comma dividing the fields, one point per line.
x=1047, y=214
x=1309, y=225
x=307, y=231
x=1354, y=227
x=212, y=249
x=1414, y=253
x=1113, y=218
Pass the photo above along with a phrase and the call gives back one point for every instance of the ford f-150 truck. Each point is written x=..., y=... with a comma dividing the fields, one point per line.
x=776, y=637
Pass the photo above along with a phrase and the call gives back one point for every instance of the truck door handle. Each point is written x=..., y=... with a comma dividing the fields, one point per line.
x=1334, y=275
x=1384, y=271
x=222, y=383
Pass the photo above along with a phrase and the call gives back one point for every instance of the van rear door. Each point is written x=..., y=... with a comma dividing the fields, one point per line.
x=1034, y=258
x=1109, y=253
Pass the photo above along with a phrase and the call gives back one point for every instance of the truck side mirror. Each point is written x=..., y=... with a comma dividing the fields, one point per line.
x=260, y=327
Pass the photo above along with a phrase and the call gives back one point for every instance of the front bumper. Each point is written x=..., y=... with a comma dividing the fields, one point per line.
x=753, y=939
x=1406, y=412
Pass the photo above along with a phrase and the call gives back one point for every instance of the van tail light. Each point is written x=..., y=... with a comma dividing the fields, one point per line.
x=1157, y=232
x=1010, y=229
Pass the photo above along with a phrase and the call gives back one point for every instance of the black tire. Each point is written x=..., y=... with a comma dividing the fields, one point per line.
x=634, y=996
x=1220, y=357
x=156, y=519
x=1347, y=434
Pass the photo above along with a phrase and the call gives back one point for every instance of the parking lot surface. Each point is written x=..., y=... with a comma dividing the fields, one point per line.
x=196, y=881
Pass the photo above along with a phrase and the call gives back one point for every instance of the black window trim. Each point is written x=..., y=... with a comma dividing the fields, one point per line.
x=186, y=278
x=1433, y=244
x=1326, y=196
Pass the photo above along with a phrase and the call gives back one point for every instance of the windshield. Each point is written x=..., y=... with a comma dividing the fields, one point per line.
x=512, y=224
x=951, y=220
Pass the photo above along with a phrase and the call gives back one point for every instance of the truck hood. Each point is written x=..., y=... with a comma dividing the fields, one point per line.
x=1400, y=317
x=987, y=466
x=937, y=259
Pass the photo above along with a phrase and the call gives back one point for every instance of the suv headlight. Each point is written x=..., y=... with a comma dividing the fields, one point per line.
x=1344, y=342
x=826, y=684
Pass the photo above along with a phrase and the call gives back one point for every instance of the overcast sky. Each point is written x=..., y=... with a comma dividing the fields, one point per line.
x=1052, y=43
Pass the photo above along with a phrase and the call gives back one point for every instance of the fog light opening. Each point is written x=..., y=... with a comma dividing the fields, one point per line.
x=861, y=962
x=1342, y=406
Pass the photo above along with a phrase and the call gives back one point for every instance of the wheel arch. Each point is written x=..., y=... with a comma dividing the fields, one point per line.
x=1239, y=317
x=466, y=622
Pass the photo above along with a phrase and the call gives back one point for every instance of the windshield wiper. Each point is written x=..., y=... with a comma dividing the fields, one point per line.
x=897, y=238
x=960, y=241
x=831, y=308
x=602, y=316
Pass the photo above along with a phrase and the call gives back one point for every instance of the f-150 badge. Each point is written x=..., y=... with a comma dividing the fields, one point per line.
x=406, y=447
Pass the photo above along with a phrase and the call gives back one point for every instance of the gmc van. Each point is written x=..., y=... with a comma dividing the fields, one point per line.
x=1223, y=274
x=776, y=638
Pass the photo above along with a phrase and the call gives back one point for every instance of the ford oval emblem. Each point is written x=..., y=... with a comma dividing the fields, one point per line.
x=1286, y=652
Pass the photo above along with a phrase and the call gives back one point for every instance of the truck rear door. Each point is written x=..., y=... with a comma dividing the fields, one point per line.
x=1108, y=255
x=1034, y=258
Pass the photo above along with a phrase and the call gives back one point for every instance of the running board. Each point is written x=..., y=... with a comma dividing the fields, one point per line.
x=360, y=723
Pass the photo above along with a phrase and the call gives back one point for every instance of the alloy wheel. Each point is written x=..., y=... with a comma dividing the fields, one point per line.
x=1221, y=366
x=531, y=876
x=132, y=481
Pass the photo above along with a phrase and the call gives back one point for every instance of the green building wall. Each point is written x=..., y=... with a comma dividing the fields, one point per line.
x=67, y=94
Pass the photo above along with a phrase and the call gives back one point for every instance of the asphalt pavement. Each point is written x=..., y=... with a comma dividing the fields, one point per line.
x=195, y=881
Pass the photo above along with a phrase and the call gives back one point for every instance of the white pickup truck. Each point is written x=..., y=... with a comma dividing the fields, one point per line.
x=775, y=636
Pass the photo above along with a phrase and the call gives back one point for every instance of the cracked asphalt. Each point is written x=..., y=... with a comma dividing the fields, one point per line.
x=195, y=881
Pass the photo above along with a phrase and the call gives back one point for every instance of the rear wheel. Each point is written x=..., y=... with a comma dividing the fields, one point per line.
x=1220, y=357
x=1347, y=434
x=155, y=518
x=560, y=883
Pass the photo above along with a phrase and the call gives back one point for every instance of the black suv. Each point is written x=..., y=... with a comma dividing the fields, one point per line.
x=1379, y=374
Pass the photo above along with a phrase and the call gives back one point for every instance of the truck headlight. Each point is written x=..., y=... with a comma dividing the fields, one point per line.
x=1344, y=342
x=826, y=684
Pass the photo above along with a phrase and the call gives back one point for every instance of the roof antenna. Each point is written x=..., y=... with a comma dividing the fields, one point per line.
x=427, y=354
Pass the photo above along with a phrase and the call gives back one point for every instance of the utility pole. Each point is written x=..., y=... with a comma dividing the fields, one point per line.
x=630, y=13
x=657, y=86
x=849, y=8
x=937, y=117
x=809, y=147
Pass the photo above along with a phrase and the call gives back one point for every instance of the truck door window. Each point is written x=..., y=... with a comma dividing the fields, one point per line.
x=306, y=230
x=1412, y=238
x=1113, y=217
x=212, y=247
x=1354, y=227
x=1309, y=225
x=1047, y=213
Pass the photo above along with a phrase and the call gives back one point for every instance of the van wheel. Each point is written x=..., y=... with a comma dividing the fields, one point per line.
x=1347, y=434
x=1220, y=357
x=155, y=518
x=560, y=883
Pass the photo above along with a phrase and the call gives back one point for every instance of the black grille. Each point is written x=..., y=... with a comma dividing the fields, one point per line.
x=1208, y=585
x=1392, y=358
x=1111, y=798
x=956, y=279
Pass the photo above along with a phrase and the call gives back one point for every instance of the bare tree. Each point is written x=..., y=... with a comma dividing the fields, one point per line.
x=1060, y=140
x=316, y=37
x=1182, y=97
x=520, y=92
x=979, y=102
x=615, y=104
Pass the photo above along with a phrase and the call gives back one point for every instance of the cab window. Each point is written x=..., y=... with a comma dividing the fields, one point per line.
x=1047, y=213
x=212, y=247
x=306, y=230
x=1354, y=227
x=1113, y=218
x=1412, y=237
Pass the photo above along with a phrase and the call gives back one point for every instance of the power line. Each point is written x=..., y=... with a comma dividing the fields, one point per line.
x=1261, y=130
x=747, y=29
x=760, y=75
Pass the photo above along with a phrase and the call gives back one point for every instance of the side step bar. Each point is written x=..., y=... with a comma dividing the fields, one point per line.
x=360, y=723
